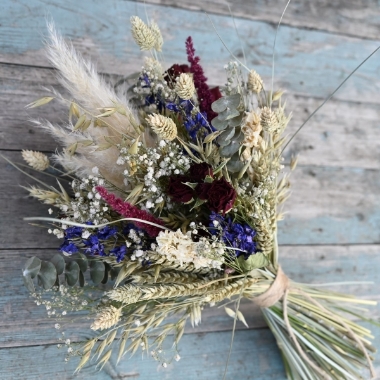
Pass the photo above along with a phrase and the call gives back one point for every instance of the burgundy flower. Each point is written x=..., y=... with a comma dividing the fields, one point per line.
x=198, y=172
x=178, y=190
x=175, y=71
x=215, y=93
x=220, y=195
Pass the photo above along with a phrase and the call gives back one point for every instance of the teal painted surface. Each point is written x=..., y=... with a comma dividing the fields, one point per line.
x=307, y=61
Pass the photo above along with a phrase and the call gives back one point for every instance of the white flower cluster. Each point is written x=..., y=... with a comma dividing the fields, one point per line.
x=180, y=248
x=88, y=204
x=149, y=165
x=135, y=238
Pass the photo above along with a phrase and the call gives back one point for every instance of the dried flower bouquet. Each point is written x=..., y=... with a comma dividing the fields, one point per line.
x=176, y=191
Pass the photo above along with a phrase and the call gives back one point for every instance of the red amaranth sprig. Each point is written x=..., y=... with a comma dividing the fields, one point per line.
x=205, y=95
x=130, y=211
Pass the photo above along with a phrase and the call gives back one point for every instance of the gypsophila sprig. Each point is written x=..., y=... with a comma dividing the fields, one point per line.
x=173, y=206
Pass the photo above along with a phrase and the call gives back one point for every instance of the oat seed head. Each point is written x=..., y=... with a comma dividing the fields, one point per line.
x=144, y=36
x=163, y=126
x=106, y=318
x=184, y=87
x=36, y=160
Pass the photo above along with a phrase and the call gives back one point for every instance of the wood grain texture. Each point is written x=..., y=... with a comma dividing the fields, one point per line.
x=358, y=18
x=307, y=61
x=332, y=230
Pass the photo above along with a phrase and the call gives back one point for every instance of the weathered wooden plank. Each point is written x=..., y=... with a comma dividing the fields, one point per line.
x=328, y=206
x=341, y=134
x=308, y=61
x=254, y=355
x=352, y=17
x=24, y=324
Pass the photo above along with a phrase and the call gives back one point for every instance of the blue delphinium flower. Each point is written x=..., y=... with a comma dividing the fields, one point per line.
x=119, y=252
x=68, y=247
x=236, y=235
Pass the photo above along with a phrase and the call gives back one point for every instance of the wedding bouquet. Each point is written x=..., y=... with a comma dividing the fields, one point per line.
x=174, y=191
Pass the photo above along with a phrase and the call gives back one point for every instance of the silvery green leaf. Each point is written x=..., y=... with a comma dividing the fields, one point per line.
x=226, y=136
x=72, y=273
x=81, y=279
x=82, y=262
x=28, y=282
x=225, y=102
x=97, y=269
x=59, y=262
x=229, y=150
x=105, y=278
x=219, y=125
x=228, y=114
x=234, y=166
x=236, y=121
x=47, y=275
x=32, y=267
x=258, y=260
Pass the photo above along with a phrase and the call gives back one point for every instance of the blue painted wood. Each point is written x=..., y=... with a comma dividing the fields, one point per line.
x=329, y=205
x=203, y=357
x=308, y=61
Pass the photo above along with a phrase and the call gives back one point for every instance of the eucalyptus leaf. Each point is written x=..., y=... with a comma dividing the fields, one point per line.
x=228, y=114
x=226, y=136
x=234, y=166
x=105, y=278
x=47, y=275
x=229, y=150
x=28, y=282
x=72, y=273
x=97, y=270
x=236, y=121
x=218, y=124
x=82, y=262
x=81, y=279
x=258, y=260
x=59, y=262
x=231, y=101
x=32, y=267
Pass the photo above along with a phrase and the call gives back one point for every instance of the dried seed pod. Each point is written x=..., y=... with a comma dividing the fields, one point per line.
x=269, y=120
x=163, y=126
x=184, y=87
x=36, y=160
x=106, y=318
x=255, y=83
x=142, y=34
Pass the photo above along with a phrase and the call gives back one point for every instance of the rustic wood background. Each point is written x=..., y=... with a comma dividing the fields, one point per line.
x=332, y=229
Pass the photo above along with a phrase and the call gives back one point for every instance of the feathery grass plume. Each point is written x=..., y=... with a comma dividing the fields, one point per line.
x=269, y=120
x=144, y=36
x=106, y=318
x=36, y=160
x=46, y=196
x=163, y=126
x=251, y=129
x=184, y=87
x=91, y=93
x=158, y=36
x=255, y=83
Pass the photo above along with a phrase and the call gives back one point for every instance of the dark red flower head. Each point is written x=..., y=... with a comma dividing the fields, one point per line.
x=198, y=172
x=220, y=195
x=178, y=191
